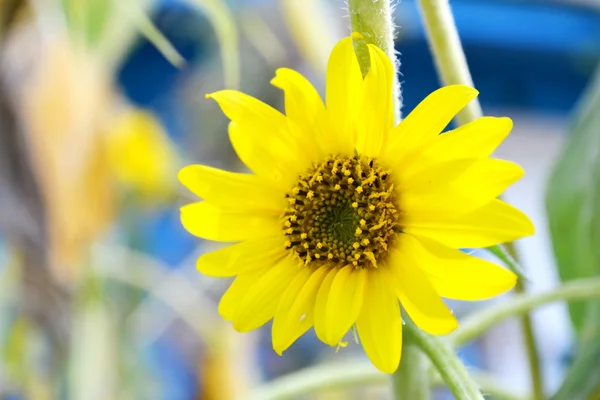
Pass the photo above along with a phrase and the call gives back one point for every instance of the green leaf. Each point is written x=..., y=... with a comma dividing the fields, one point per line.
x=573, y=201
x=583, y=378
x=573, y=207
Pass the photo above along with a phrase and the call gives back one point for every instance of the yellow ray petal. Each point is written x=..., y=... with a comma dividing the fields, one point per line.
x=321, y=306
x=304, y=107
x=416, y=293
x=302, y=101
x=344, y=302
x=209, y=222
x=379, y=324
x=344, y=89
x=426, y=121
x=231, y=190
x=475, y=139
x=260, y=302
x=494, y=223
x=455, y=188
x=242, y=257
x=295, y=313
x=238, y=289
x=259, y=134
x=456, y=275
x=377, y=116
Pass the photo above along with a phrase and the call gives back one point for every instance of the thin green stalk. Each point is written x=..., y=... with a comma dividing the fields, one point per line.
x=344, y=376
x=535, y=369
x=507, y=259
x=447, y=363
x=411, y=380
x=363, y=373
x=447, y=51
x=479, y=322
x=452, y=67
x=373, y=19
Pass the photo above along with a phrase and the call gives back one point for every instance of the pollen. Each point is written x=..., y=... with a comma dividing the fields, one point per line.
x=341, y=212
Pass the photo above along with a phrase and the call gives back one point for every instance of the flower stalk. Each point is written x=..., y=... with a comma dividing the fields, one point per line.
x=452, y=67
x=412, y=380
x=449, y=57
x=447, y=363
x=373, y=20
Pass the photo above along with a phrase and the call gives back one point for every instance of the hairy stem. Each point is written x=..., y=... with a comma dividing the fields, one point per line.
x=411, y=380
x=373, y=20
x=447, y=363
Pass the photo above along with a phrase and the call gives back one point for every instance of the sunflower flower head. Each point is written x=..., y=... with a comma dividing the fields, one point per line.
x=345, y=216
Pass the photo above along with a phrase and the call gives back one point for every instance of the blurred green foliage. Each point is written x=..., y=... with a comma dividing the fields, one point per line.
x=573, y=206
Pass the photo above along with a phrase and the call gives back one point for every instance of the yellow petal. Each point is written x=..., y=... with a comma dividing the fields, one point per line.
x=377, y=114
x=494, y=223
x=302, y=101
x=260, y=302
x=475, y=139
x=455, y=188
x=204, y=220
x=321, y=306
x=236, y=292
x=259, y=134
x=140, y=153
x=426, y=121
x=303, y=106
x=295, y=313
x=231, y=190
x=344, y=302
x=416, y=293
x=456, y=275
x=379, y=324
x=243, y=257
x=344, y=88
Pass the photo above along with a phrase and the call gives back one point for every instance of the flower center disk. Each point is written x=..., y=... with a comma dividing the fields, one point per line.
x=342, y=212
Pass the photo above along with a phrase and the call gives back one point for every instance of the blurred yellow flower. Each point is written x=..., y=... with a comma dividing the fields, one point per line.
x=140, y=154
x=346, y=215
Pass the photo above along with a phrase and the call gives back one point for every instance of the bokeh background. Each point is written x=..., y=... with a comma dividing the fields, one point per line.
x=101, y=102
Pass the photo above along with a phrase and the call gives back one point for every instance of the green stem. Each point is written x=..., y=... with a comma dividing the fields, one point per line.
x=411, y=380
x=503, y=255
x=535, y=370
x=478, y=323
x=447, y=52
x=363, y=373
x=338, y=376
x=452, y=67
x=447, y=363
x=373, y=19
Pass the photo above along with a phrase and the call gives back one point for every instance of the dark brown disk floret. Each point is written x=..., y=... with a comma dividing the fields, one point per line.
x=342, y=211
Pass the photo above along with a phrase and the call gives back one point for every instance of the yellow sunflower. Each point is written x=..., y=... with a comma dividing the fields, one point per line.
x=346, y=216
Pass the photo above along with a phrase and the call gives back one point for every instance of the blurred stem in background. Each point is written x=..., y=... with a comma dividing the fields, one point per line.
x=452, y=68
x=311, y=31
